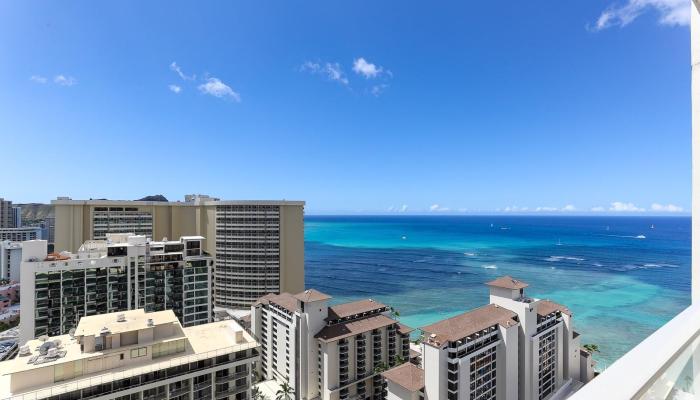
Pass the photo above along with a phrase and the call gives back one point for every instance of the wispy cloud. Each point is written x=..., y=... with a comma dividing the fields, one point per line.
x=366, y=69
x=175, y=89
x=666, y=208
x=618, y=206
x=671, y=13
x=38, y=79
x=331, y=70
x=63, y=80
x=217, y=88
x=438, y=208
x=598, y=209
x=378, y=89
x=176, y=68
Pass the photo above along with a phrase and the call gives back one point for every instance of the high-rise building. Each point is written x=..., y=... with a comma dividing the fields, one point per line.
x=134, y=355
x=20, y=234
x=327, y=352
x=16, y=214
x=10, y=260
x=120, y=273
x=515, y=348
x=258, y=245
x=6, y=218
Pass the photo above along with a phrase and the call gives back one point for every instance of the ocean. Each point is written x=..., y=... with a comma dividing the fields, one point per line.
x=622, y=277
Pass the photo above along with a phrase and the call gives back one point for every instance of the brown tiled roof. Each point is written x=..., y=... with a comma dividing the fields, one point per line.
x=405, y=330
x=350, y=309
x=284, y=300
x=546, y=307
x=407, y=376
x=508, y=282
x=310, y=295
x=352, y=328
x=462, y=325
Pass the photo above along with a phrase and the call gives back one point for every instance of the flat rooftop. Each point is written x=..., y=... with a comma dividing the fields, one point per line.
x=455, y=328
x=125, y=203
x=203, y=341
x=92, y=325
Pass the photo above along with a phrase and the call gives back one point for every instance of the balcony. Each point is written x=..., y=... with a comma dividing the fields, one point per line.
x=663, y=366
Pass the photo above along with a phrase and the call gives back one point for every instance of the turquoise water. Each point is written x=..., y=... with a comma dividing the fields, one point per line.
x=621, y=278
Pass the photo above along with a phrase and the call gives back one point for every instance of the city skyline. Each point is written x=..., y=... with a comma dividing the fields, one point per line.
x=355, y=108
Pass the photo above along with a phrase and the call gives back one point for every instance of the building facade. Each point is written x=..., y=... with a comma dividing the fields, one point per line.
x=515, y=348
x=10, y=260
x=134, y=355
x=258, y=245
x=6, y=217
x=20, y=234
x=105, y=276
x=327, y=352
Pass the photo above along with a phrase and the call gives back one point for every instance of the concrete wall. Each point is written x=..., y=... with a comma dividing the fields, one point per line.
x=291, y=249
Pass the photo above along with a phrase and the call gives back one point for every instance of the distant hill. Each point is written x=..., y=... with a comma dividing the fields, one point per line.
x=35, y=211
x=155, y=197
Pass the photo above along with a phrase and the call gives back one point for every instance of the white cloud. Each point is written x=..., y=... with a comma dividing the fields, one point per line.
x=38, y=79
x=178, y=70
x=175, y=88
x=64, y=80
x=569, y=208
x=666, y=208
x=598, y=209
x=671, y=13
x=546, y=209
x=438, y=208
x=618, y=206
x=378, y=89
x=516, y=209
x=332, y=71
x=366, y=69
x=403, y=208
x=216, y=88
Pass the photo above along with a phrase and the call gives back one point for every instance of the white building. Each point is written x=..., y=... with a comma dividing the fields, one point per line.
x=10, y=260
x=20, y=234
x=124, y=272
x=515, y=348
x=327, y=352
x=134, y=355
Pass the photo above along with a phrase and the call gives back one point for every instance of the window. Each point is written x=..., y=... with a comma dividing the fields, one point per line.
x=140, y=352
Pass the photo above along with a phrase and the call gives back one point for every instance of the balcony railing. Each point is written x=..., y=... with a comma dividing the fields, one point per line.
x=663, y=366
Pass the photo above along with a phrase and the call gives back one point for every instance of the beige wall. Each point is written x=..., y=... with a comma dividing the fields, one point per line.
x=291, y=249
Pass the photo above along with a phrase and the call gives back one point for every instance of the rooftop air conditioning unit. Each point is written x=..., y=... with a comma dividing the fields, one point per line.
x=121, y=318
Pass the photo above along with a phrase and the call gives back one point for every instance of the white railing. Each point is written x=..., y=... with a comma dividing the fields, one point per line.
x=649, y=371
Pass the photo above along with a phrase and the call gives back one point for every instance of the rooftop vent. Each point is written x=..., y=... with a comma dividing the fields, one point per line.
x=104, y=330
x=24, y=351
x=149, y=322
x=121, y=318
x=53, y=352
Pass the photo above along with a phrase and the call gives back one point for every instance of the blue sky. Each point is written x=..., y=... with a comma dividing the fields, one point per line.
x=352, y=106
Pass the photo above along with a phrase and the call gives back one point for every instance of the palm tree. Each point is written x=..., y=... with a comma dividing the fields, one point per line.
x=395, y=313
x=591, y=348
x=257, y=394
x=285, y=392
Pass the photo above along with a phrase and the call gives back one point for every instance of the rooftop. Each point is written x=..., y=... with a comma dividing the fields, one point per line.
x=311, y=295
x=202, y=201
x=407, y=376
x=546, y=307
x=455, y=328
x=354, y=308
x=93, y=325
x=508, y=282
x=284, y=300
x=352, y=328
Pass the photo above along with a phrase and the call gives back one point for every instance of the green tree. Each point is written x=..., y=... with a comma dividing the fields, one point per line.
x=257, y=394
x=285, y=392
x=380, y=367
x=591, y=348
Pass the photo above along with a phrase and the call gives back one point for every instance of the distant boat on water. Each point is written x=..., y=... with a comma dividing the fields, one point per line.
x=640, y=237
x=652, y=226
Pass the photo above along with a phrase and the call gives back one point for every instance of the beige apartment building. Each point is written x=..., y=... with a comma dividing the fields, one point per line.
x=328, y=352
x=134, y=355
x=258, y=246
x=515, y=348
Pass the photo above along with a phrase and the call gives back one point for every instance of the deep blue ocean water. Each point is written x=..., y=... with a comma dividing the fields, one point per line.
x=621, y=277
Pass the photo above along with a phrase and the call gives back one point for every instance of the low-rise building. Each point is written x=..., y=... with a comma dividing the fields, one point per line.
x=134, y=355
x=20, y=234
x=516, y=347
x=10, y=260
x=328, y=352
x=123, y=272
